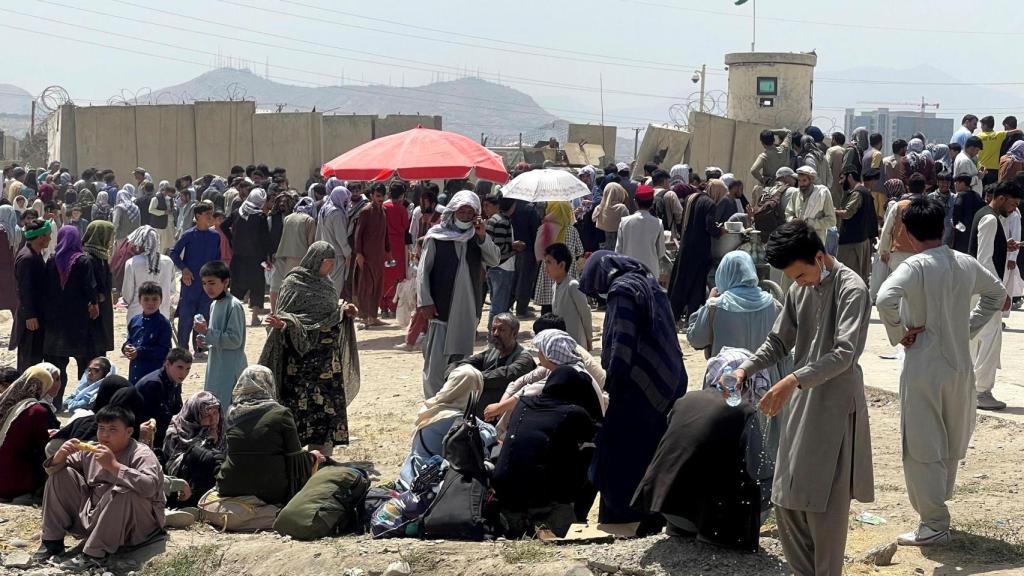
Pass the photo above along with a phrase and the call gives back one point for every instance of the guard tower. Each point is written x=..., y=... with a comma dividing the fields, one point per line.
x=771, y=88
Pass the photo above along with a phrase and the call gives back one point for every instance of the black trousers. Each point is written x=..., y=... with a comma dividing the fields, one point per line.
x=526, y=281
x=61, y=362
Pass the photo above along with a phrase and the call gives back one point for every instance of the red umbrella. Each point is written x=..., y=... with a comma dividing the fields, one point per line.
x=418, y=154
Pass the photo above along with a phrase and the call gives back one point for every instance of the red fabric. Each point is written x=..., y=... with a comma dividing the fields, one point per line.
x=23, y=452
x=8, y=286
x=122, y=253
x=398, y=226
x=418, y=154
x=225, y=247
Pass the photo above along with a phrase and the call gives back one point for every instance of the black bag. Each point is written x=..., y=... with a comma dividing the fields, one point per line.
x=457, y=511
x=328, y=504
x=770, y=213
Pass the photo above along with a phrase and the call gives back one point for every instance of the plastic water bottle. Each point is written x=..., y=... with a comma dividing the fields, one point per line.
x=200, y=338
x=730, y=383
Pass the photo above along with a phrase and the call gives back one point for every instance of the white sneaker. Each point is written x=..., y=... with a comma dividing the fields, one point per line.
x=178, y=519
x=923, y=536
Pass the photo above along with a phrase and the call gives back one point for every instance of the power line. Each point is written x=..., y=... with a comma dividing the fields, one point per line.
x=258, y=33
x=434, y=99
x=676, y=69
x=419, y=29
x=840, y=24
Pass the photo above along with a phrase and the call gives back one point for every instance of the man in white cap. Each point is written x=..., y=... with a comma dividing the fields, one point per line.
x=629, y=184
x=812, y=203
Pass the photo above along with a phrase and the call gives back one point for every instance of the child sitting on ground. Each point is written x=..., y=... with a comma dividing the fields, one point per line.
x=225, y=333
x=149, y=334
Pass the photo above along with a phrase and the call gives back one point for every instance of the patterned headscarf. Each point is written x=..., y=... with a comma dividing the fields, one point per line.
x=185, y=429
x=126, y=201
x=557, y=346
x=9, y=222
x=253, y=203
x=101, y=209
x=146, y=241
x=254, y=391
x=99, y=239
x=446, y=229
x=69, y=250
x=894, y=188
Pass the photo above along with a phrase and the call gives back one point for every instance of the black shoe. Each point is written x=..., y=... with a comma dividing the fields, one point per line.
x=48, y=549
x=82, y=563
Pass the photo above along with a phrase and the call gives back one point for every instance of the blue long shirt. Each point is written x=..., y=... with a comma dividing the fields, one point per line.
x=195, y=248
x=151, y=337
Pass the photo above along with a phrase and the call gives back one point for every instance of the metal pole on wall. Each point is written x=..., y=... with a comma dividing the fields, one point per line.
x=703, y=74
x=753, y=39
x=636, y=142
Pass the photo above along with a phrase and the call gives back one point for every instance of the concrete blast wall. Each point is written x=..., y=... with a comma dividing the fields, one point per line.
x=665, y=146
x=289, y=140
x=603, y=136
x=728, y=144
x=105, y=137
x=395, y=123
x=166, y=140
x=208, y=138
x=224, y=136
x=343, y=133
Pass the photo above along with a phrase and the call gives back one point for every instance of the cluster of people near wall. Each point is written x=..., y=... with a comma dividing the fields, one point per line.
x=545, y=434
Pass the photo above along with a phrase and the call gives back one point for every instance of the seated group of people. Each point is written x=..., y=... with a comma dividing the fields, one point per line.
x=107, y=476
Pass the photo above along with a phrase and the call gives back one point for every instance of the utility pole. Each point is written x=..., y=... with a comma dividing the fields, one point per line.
x=636, y=143
x=32, y=125
x=703, y=74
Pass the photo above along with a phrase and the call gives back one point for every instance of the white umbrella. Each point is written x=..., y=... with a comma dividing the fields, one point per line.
x=545, y=186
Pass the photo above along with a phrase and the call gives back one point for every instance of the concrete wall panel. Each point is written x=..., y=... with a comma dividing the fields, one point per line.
x=166, y=140
x=711, y=142
x=595, y=134
x=224, y=136
x=395, y=123
x=343, y=133
x=60, y=143
x=105, y=138
x=666, y=146
x=289, y=140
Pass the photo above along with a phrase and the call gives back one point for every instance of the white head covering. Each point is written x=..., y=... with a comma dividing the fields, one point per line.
x=680, y=172
x=807, y=171
x=253, y=203
x=452, y=398
x=728, y=179
x=446, y=229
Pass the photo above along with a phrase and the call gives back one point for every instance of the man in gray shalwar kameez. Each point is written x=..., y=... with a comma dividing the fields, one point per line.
x=925, y=304
x=455, y=254
x=825, y=432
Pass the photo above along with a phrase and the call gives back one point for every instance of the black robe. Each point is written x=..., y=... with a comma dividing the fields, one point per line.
x=700, y=471
x=688, y=286
x=250, y=245
x=102, y=329
x=30, y=276
x=68, y=326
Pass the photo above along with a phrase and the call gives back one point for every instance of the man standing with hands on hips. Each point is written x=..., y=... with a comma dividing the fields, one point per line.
x=824, y=457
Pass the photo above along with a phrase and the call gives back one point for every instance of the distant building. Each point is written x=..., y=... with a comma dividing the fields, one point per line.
x=895, y=124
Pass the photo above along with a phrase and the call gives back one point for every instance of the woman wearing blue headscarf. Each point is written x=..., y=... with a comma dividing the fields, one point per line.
x=738, y=314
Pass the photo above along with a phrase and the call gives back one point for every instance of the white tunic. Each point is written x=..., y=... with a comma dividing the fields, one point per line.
x=136, y=271
x=641, y=237
x=934, y=289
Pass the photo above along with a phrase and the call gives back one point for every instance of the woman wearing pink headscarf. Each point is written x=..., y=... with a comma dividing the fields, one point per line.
x=71, y=297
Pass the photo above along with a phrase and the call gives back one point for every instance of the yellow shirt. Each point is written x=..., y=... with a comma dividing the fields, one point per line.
x=989, y=155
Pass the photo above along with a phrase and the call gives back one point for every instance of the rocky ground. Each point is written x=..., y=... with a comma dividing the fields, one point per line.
x=988, y=505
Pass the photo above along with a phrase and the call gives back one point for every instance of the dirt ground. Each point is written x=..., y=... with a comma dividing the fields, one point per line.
x=988, y=506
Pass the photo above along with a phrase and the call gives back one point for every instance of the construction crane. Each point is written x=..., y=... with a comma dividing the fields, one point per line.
x=922, y=104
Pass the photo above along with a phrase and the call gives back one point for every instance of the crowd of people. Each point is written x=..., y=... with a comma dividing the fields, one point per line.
x=119, y=457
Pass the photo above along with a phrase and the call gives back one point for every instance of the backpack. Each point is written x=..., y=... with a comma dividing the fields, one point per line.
x=457, y=511
x=236, y=513
x=770, y=213
x=328, y=504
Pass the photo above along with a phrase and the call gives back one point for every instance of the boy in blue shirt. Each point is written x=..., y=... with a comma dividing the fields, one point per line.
x=197, y=246
x=225, y=334
x=149, y=334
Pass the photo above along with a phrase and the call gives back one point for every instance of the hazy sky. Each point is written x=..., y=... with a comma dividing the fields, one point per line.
x=558, y=52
